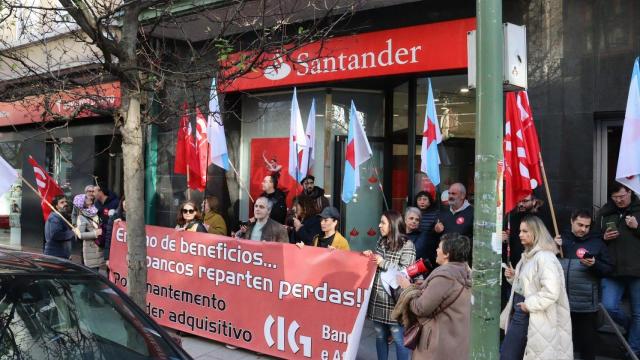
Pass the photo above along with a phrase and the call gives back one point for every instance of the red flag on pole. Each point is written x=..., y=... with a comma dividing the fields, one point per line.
x=202, y=150
x=530, y=136
x=521, y=151
x=47, y=187
x=182, y=150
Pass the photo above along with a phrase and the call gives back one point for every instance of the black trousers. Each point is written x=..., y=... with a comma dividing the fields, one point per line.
x=584, y=326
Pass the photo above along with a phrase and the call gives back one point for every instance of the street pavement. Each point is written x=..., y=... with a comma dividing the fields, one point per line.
x=203, y=349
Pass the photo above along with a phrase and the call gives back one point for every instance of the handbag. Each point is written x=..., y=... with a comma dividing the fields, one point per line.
x=412, y=333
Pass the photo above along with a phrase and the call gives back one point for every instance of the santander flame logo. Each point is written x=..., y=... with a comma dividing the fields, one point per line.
x=278, y=70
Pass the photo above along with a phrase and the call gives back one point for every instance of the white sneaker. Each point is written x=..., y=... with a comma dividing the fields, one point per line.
x=230, y=347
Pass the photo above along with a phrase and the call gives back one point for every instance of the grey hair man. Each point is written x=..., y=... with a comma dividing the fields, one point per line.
x=264, y=228
x=458, y=218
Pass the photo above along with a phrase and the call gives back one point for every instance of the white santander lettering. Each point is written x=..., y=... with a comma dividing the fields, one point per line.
x=306, y=65
x=302, y=61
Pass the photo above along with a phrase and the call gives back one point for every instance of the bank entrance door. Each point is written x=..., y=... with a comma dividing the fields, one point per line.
x=605, y=154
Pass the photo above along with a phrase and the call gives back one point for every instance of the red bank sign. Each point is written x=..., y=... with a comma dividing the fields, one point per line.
x=273, y=298
x=34, y=109
x=415, y=49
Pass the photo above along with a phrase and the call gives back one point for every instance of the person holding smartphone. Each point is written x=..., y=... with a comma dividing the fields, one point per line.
x=586, y=261
x=618, y=219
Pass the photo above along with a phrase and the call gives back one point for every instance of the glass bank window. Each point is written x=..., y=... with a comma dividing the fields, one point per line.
x=455, y=108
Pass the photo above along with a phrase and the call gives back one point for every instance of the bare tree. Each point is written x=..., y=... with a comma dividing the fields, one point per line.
x=125, y=41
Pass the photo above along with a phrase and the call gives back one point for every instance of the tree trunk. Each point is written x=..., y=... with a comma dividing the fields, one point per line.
x=133, y=150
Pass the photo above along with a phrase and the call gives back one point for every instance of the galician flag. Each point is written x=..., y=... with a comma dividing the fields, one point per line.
x=309, y=154
x=8, y=176
x=431, y=137
x=297, y=141
x=219, y=155
x=628, y=172
x=358, y=151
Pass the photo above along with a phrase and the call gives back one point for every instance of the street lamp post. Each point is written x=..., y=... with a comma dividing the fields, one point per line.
x=487, y=226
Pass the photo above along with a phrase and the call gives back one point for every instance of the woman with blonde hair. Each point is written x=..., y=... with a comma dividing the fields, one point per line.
x=536, y=320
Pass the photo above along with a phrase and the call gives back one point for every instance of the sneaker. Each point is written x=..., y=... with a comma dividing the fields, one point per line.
x=230, y=347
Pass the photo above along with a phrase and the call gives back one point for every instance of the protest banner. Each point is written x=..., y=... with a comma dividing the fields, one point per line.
x=272, y=298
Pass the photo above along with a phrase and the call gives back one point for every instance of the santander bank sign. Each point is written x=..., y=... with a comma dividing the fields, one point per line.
x=416, y=49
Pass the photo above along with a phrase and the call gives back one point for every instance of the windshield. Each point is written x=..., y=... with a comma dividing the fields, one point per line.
x=69, y=318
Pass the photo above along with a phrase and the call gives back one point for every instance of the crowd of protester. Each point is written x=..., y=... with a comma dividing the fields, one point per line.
x=92, y=215
x=551, y=285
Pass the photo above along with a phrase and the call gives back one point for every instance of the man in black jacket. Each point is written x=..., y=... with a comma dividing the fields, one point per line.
x=586, y=260
x=314, y=192
x=276, y=196
x=458, y=218
x=618, y=219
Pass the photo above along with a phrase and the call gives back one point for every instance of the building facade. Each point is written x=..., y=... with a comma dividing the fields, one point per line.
x=580, y=55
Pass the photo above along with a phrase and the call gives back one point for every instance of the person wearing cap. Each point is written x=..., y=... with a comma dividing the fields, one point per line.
x=330, y=237
x=314, y=192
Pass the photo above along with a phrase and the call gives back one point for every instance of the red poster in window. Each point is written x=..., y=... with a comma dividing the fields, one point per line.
x=416, y=49
x=269, y=155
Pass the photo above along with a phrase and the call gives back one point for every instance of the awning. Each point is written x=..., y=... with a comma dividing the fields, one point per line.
x=76, y=102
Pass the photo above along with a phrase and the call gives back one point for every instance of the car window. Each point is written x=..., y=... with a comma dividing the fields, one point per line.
x=49, y=318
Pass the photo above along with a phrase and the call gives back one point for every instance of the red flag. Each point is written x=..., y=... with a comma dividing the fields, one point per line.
x=47, y=187
x=521, y=158
x=182, y=150
x=530, y=136
x=201, y=159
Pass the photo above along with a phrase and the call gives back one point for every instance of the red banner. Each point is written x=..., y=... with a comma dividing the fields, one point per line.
x=272, y=298
x=416, y=49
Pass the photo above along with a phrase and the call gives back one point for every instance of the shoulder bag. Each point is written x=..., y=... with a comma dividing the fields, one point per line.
x=412, y=334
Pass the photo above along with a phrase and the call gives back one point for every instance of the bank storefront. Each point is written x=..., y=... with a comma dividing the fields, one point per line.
x=385, y=74
x=75, y=154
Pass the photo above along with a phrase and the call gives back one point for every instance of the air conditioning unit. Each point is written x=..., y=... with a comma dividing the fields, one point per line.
x=514, y=72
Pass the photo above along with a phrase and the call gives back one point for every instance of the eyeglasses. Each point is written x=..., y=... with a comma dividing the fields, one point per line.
x=619, y=197
x=188, y=211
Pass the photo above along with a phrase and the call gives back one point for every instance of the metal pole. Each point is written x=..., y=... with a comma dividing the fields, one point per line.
x=485, y=339
x=412, y=115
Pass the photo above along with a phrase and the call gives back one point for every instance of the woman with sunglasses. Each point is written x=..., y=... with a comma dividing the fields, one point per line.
x=189, y=218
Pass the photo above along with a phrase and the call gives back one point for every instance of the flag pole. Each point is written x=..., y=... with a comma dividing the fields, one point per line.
x=242, y=186
x=297, y=170
x=553, y=212
x=386, y=205
x=188, y=188
x=46, y=202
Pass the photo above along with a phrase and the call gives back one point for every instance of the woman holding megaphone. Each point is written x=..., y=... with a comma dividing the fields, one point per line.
x=437, y=313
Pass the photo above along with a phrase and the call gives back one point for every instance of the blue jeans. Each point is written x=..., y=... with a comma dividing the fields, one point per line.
x=612, y=291
x=382, y=346
x=515, y=340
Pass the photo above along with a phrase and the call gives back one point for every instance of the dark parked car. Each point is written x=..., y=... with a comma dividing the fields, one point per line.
x=54, y=309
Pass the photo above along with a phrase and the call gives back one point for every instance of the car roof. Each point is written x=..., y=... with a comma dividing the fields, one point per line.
x=15, y=262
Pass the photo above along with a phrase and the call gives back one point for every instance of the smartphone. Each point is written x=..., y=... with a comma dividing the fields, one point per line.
x=612, y=226
x=587, y=255
x=243, y=222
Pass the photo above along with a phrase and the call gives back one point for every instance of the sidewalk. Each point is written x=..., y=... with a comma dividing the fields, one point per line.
x=203, y=349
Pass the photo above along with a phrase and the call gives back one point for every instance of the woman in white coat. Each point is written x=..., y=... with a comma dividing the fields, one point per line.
x=536, y=320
